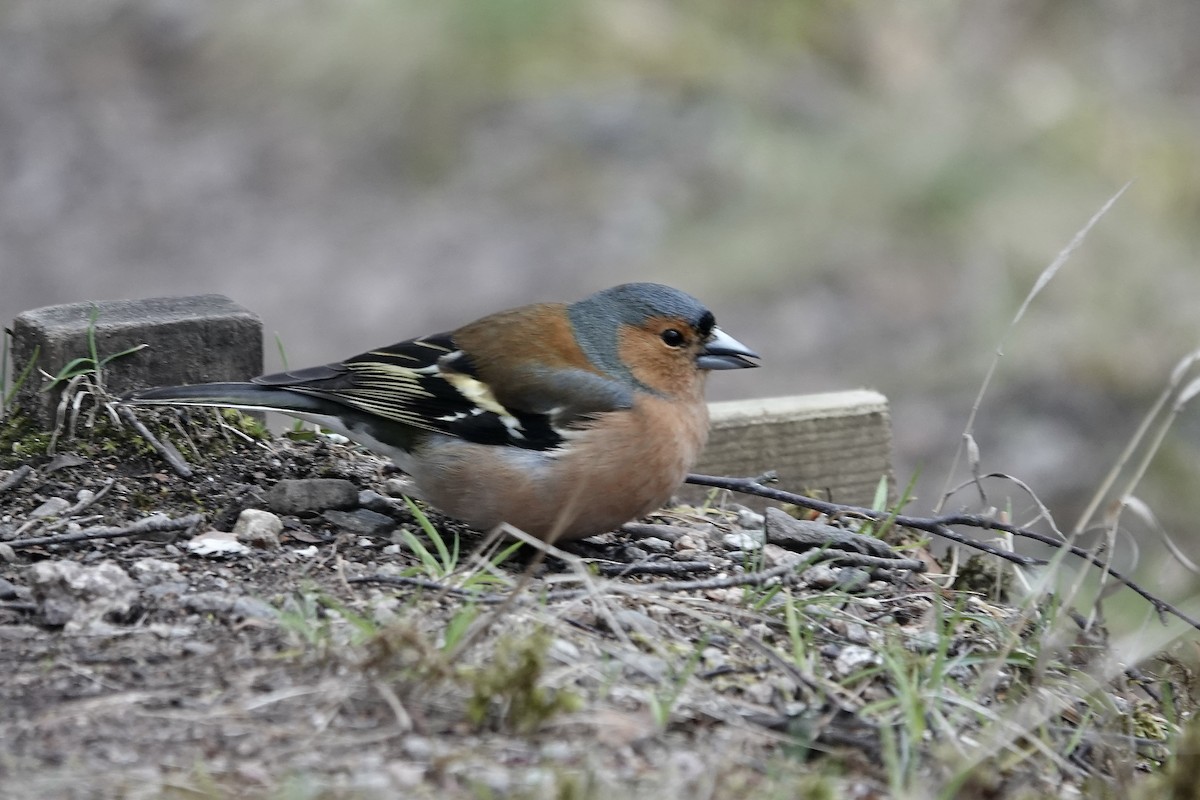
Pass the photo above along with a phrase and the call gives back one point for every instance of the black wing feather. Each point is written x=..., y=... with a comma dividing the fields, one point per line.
x=414, y=383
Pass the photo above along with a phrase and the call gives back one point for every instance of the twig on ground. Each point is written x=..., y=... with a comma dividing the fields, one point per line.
x=941, y=526
x=784, y=572
x=168, y=452
x=89, y=501
x=156, y=524
x=801, y=534
x=654, y=568
x=935, y=525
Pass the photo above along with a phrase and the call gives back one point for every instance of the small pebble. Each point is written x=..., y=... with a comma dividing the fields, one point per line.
x=632, y=554
x=732, y=596
x=759, y=630
x=923, y=641
x=713, y=657
x=405, y=775
x=656, y=545
x=564, y=651
x=820, y=576
x=637, y=622
x=418, y=747
x=751, y=520
x=744, y=540
x=853, y=578
x=690, y=542
x=778, y=556
x=258, y=528
x=557, y=750
x=853, y=658
x=871, y=604
x=149, y=571
x=857, y=633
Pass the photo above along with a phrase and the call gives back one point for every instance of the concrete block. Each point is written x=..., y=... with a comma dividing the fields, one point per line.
x=833, y=446
x=191, y=340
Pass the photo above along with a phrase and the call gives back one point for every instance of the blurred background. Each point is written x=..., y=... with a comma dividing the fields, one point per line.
x=862, y=191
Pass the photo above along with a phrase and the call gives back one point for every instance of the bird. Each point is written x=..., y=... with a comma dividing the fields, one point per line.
x=562, y=420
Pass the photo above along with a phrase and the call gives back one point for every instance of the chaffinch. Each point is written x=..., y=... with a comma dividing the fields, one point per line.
x=563, y=420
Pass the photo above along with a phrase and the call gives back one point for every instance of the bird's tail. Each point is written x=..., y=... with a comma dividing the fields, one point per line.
x=229, y=395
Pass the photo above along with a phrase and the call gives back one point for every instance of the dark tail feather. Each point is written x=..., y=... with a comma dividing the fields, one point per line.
x=231, y=395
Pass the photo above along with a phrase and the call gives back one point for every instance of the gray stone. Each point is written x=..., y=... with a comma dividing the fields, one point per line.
x=51, y=508
x=854, y=658
x=222, y=603
x=656, y=545
x=151, y=571
x=744, y=540
x=821, y=576
x=750, y=519
x=191, y=340
x=307, y=495
x=8, y=590
x=362, y=522
x=258, y=528
x=81, y=598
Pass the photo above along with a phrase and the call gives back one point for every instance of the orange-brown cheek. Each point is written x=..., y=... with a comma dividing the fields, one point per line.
x=661, y=368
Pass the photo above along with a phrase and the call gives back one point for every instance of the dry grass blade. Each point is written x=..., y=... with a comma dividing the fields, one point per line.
x=1044, y=278
x=1177, y=375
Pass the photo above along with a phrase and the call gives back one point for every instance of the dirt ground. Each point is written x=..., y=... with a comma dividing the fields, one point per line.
x=345, y=656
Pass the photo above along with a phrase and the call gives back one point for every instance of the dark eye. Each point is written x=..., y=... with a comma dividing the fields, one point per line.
x=672, y=337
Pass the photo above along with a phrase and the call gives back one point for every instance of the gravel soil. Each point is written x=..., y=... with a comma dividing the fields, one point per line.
x=322, y=651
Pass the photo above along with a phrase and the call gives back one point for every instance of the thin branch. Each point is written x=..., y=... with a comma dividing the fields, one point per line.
x=155, y=524
x=937, y=526
x=88, y=501
x=941, y=526
x=784, y=572
x=164, y=449
x=653, y=568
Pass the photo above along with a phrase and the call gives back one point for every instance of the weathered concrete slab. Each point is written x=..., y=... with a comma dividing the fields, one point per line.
x=834, y=446
x=191, y=340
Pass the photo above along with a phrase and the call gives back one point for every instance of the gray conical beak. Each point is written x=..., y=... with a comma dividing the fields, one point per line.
x=722, y=351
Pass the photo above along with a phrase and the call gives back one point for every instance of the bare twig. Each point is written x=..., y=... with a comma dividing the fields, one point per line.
x=164, y=449
x=800, y=534
x=1177, y=375
x=938, y=526
x=654, y=568
x=784, y=572
x=89, y=500
x=156, y=524
x=941, y=526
